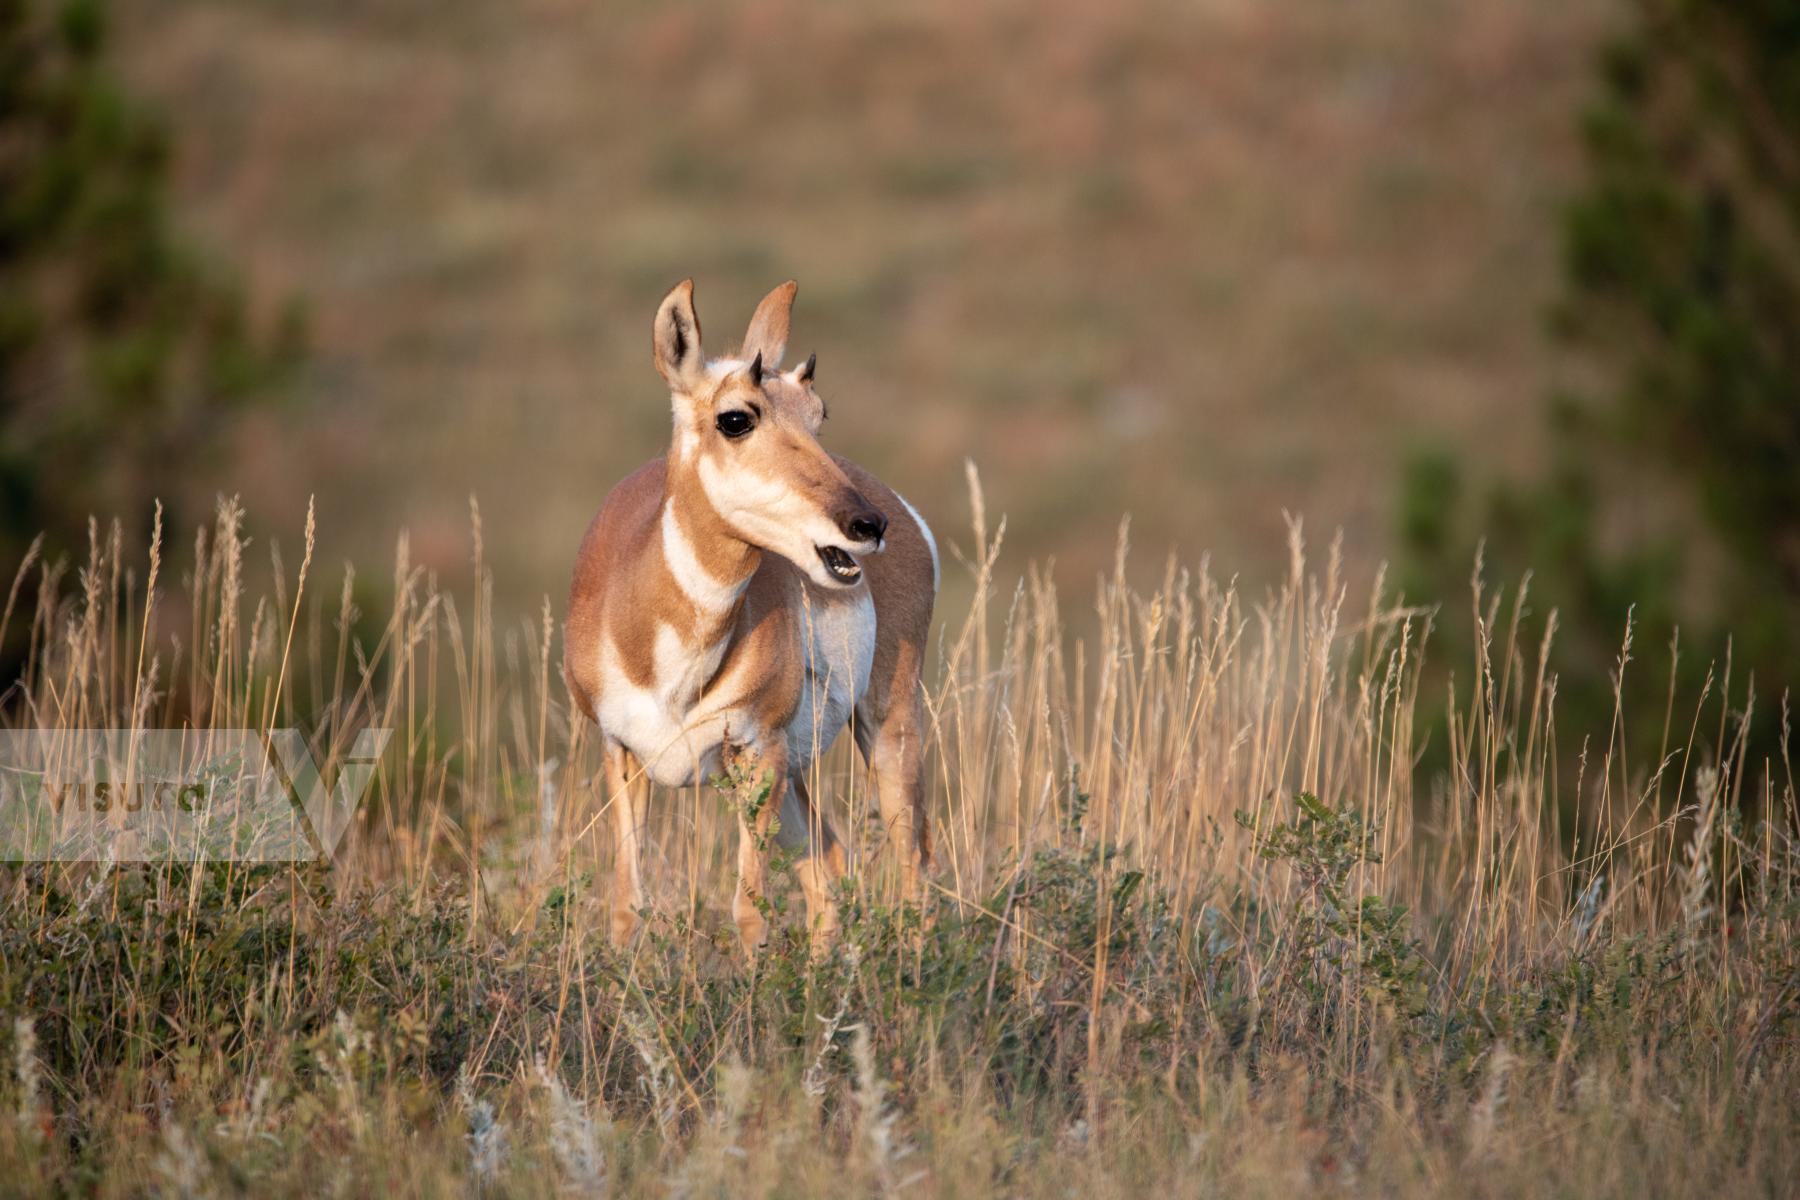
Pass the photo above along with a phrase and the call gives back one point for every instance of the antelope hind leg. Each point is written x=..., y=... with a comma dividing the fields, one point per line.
x=893, y=745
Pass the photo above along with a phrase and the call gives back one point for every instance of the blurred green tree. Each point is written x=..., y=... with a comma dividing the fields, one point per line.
x=121, y=351
x=1681, y=262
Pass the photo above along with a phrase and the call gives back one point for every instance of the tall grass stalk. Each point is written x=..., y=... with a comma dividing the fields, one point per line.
x=1198, y=920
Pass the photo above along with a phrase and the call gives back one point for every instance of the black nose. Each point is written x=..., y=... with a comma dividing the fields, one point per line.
x=867, y=526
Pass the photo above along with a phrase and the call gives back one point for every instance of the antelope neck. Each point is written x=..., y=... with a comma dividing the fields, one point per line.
x=710, y=565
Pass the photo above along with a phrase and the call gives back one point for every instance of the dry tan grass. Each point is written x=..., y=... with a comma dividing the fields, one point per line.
x=1121, y=990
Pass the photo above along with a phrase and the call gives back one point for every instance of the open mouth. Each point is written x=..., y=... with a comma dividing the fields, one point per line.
x=843, y=568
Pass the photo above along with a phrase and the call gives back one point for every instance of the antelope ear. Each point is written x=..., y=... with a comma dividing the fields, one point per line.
x=675, y=338
x=768, y=332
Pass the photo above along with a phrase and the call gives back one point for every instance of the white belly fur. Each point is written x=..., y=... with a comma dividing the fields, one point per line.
x=676, y=747
x=672, y=753
x=681, y=748
x=838, y=637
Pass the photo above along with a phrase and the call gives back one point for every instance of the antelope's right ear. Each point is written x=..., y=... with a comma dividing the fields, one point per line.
x=675, y=338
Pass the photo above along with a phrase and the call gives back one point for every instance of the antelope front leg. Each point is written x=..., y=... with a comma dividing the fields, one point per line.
x=631, y=810
x=752, y=770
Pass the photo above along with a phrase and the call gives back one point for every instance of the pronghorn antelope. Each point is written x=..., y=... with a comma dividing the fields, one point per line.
x=737, y=603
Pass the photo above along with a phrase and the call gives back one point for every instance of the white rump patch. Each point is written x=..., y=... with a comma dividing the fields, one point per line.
x=930, y=542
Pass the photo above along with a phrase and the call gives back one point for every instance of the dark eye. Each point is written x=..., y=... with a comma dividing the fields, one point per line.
x=735, y=424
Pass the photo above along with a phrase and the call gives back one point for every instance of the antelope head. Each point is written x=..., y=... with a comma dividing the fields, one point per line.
x=747, y=436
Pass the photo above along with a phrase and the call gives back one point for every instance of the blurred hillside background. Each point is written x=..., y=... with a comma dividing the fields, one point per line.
x=1197, y=262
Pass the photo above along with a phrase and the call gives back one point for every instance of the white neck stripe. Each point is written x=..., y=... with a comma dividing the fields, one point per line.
x=708, y=594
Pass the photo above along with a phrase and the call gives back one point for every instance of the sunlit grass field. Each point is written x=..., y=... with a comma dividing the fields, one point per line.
x=1198, y=923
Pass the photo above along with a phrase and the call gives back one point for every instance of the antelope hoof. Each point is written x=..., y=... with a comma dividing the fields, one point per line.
x=824, y=934
x=625, y=925
x=753, y=928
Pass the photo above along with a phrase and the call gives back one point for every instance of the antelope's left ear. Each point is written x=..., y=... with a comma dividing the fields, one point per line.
x=768, y=332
